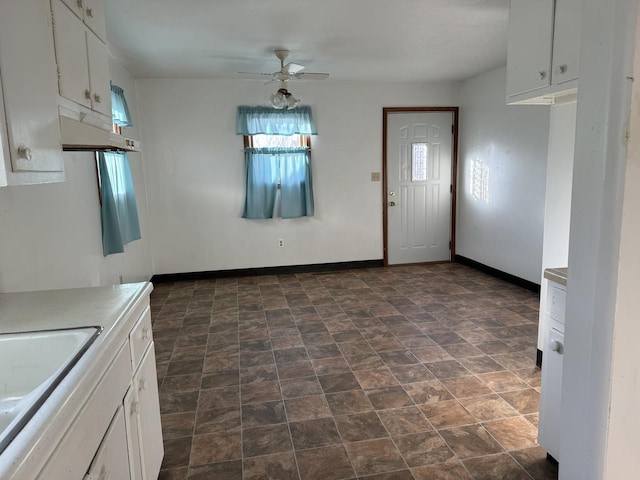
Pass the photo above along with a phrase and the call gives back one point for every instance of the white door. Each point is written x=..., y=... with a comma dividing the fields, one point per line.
x=419, y=159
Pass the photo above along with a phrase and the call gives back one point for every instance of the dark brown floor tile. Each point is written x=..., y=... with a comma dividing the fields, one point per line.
x=296, y=370
x=403, y=421
x=220, y=363
x=502, y=381
x=267, y=413
x=524, y=401
x=354, y=401
x=220, y=471
x=290, y=355
x=397, y=475
x=313, y=339
x=424, y=448
x=360, y=426
x=513, y=433
x=447, y=369
x=398, y=358
x=389, y=397
x=350, y=349
x=265, y=440
x=462, y=387
x=184, y=354
x=300, y=387
x=179, y=402
x=260, y=392
x=462, y=350
x=307, y=408
x=316, y=433
x=531, y=375
x=494, y=347
x=339, y=382
x=217, y=420
x=365, y=361
x=443, y=471
x=488, y=407
x=446, y=338
x=280, y=466
x=446, y=414
x=286, y=342
x=430, y=391
x=430, y=354
x=386, y=344
x=411, y=373
x=185, y=367
x=495, y=466
x=181, y=383
x=347, y=336
x=470, y=441
x=375, y=456
x=174, y=474
x=215, y=447
x=176, y=452
x=219, y=398
x=254, y=359
x=483, y=364
x=220, y=379
x=417, y=341
x=323, y=351
x=261, y=373
x=380, y=377
x=330, y=366
x=534, y=460
x=175, y=425
x=326, y=463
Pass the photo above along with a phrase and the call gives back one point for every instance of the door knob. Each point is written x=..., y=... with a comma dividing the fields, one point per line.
x=392, y=204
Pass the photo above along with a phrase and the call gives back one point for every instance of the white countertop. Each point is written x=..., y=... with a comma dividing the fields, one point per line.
x=29, y=311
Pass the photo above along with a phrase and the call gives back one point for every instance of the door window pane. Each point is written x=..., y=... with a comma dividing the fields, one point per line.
x=419, y=162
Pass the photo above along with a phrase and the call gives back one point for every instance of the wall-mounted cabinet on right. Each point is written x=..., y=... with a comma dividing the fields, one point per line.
x=543, y=50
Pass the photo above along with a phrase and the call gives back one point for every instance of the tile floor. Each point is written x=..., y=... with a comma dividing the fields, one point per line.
x=420, y=372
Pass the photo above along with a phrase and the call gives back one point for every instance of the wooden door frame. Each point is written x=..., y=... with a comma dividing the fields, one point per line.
x=454, y=172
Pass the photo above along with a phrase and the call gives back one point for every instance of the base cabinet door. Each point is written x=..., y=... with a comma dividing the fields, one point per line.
x=551, y=393
x=111, y=460
x=131, y=411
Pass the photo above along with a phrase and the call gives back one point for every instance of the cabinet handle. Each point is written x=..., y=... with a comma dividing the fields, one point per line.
x=134, y=408
x=555, y=346
x=87, y=94
x=24, y=152
x=561, y=69
x=89, y=12
x=145, y=333
x=541, y=75
x=143, y=384
x=96, y=98
x=79, y=3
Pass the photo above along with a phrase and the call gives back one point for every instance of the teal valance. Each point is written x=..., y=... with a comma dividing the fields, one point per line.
x=119, y=108
x=269, y=121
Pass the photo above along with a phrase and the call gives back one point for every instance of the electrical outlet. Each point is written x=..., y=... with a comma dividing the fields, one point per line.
x=375, y=176
x=281, y=243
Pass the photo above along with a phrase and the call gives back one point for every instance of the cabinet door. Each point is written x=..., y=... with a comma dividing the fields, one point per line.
x=551, y=393
x=566, y=40
x=76, y=6
x=529, y=45
x=71, y=55
x=111, y=460
x=131, y=411
x=151, y=446
x=94, y=18
x=99, y=75
x=27, y=67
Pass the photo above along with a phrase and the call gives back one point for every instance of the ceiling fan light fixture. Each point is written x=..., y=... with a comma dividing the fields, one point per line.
x=282, y=99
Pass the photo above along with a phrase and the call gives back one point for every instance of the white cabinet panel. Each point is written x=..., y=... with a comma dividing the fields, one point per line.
x=530, y=44
x=94, y=18
x=131, y=410
x=32, y=140
x=109, y=463
x=551, y=393
x=99, y=75
x=566, y=40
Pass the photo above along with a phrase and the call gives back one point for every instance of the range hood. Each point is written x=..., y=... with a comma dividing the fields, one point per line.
x=80, y=136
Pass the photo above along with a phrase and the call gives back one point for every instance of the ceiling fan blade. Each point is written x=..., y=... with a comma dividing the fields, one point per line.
x=259, y=76
x=293, y=68
x=311, y=76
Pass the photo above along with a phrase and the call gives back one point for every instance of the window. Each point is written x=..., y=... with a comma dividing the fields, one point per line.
x=277, y=162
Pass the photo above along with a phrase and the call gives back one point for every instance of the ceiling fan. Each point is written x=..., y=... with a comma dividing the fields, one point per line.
x=282, y=99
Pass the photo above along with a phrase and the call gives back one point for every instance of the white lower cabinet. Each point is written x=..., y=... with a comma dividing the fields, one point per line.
x=144, y=432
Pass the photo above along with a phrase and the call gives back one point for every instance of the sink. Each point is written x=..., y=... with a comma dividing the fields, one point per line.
x=32, y=364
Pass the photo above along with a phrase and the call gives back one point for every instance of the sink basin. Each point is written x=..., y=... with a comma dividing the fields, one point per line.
x=32, y=364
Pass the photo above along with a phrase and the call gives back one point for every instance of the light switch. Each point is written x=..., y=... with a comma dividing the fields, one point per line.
x=375, y=176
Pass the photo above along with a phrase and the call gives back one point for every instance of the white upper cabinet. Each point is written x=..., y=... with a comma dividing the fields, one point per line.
x=82, y=57
x=30, y=132
x=91, y=12
x=543, y=50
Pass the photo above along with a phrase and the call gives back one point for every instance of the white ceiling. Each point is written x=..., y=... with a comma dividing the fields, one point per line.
x=380, y=40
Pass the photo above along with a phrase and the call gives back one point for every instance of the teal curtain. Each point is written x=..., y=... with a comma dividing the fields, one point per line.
x=119, y=108
x=119, y=213
x=269, y=121
x=292, y=167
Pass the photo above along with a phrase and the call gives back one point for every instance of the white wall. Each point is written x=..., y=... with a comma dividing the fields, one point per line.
x=195, y=173
x=50, y=235
x=504, y=232
x=557, y=209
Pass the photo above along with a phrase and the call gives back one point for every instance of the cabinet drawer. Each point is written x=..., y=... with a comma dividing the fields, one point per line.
x=140, y=337
x=557, y=303
x=77, y=449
